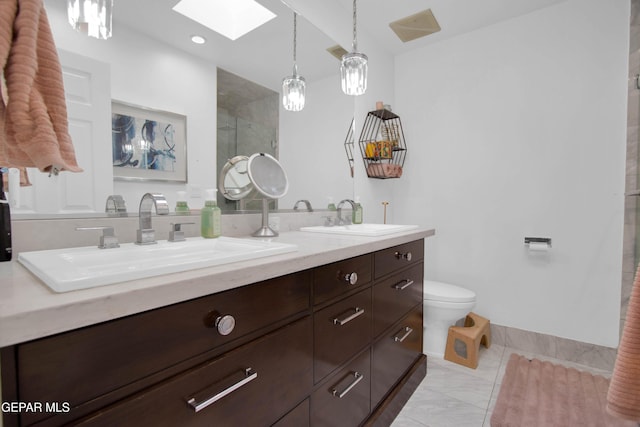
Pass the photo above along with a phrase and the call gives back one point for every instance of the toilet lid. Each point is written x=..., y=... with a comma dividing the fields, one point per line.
x=439, y=291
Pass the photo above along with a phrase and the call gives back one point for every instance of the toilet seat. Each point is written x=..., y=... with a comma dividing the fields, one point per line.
x=445, y=292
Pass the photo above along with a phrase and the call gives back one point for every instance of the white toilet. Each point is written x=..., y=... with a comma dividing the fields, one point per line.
x=444, y=305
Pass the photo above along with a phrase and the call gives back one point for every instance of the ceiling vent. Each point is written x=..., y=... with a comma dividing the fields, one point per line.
x=337, y=51
x=415, y=26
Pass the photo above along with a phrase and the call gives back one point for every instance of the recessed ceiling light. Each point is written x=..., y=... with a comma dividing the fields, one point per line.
x=232, y=19
x=198, y=39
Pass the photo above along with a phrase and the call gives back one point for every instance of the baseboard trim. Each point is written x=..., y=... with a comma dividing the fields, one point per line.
x=592, y=355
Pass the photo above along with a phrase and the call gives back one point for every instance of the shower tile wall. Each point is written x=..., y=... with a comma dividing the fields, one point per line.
x=632, y=203
x=247, y=124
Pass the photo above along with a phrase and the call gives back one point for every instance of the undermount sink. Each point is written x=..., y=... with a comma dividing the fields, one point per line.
x=71, y=269
x=372, y=230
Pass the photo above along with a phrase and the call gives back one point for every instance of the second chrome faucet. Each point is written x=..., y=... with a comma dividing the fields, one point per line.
x=146, y=233
x=339, y=219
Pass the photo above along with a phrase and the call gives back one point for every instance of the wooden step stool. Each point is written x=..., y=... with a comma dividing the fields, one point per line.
x=476, y=331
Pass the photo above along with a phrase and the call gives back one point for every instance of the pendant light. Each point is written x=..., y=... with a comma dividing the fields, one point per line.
x=293, y=87
x=354, y=66
x=91, y=17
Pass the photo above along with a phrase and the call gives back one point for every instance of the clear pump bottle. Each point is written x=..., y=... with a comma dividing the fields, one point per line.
x=210, y=216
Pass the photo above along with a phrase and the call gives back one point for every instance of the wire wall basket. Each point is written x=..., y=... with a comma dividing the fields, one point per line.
x=382, y=145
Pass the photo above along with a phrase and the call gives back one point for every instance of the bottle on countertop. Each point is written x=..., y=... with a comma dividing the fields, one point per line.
x=331, y=204
x=210, y=216
x=357, y=212
x=182, y=208
x=5, y=223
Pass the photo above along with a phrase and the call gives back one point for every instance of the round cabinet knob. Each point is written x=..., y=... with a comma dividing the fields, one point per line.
x=351, y=278
x=225, y=324
x=406, y=256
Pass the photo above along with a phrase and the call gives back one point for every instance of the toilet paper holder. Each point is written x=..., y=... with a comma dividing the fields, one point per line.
x=546, y=240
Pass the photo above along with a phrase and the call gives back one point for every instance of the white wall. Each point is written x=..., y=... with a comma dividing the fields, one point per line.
x=519, y=130
x=380, y=87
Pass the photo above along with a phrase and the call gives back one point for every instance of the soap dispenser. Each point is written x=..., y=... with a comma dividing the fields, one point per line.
x=210, y=216
x=5, y=223
x=330, y=204
x=182, y=208
x=357, y=212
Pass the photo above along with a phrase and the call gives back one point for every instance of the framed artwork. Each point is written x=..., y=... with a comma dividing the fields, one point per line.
x=148, y=144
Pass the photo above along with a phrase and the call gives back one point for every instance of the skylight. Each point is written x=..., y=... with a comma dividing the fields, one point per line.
x=232, y=19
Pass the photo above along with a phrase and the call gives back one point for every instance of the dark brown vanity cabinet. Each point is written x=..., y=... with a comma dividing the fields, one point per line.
x=340, y=331
x=394, y=353
x=329, y=346
x=344, y=398
x=134, y=362
x=262, y=380
x=397, y=308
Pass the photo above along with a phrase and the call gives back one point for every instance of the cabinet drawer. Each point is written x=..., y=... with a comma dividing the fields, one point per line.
x=397, y=257
x=394, y=353
x=340, y=331
x=395, y=296
x=282, y=378
x=344, y=399
x=335, y=279
x=297, y=417
x=103, y=358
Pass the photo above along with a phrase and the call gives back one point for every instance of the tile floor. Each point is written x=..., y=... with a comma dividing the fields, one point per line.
x=456, y=396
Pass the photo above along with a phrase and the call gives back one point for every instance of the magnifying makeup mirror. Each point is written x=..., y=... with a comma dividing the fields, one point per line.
x=260, y=174
x=234, y=182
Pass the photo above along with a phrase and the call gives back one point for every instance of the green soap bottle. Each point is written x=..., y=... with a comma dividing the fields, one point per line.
x=330, y=205
x=182, y=208
x=356, y=215
x=210, y=216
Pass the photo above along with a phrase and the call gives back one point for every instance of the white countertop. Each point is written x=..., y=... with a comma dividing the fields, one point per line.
x=30, y=310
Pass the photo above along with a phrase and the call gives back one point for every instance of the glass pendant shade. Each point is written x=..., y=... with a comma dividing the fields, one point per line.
x=354, y=73
x=293, y=86
x=293, y=91
x=91, y=17
x=353, y=70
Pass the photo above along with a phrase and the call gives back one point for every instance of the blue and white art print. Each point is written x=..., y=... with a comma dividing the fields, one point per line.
x=148, y=144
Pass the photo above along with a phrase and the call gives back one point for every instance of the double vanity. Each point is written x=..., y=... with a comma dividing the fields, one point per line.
x=326, y=333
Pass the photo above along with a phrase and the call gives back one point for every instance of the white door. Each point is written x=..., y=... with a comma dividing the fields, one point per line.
x=88, y=94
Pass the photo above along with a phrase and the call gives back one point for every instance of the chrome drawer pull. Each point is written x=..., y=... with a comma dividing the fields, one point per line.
x=400, y=255
x=357, y=312
x=203, y=399
x=407, y=331
x=403, y=284
x=357, y=378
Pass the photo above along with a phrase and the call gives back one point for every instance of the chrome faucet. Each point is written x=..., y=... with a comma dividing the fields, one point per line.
x=115, y=206
x=339, y=219
x=146, y=235
x=306, y=202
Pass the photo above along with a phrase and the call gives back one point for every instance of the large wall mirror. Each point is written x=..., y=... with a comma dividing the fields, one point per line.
x=247, y=123
x=150, y=63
